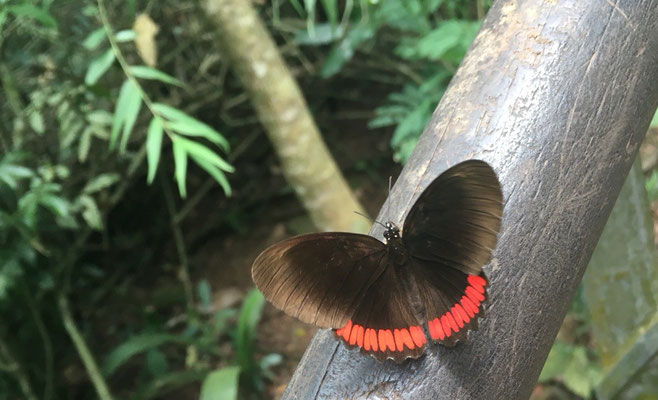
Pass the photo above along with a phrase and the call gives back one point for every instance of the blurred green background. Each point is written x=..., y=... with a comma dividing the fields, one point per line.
x=137, y=185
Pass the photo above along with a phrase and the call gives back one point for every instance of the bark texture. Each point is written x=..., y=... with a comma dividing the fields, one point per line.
x=556, y=96
x=307, y=164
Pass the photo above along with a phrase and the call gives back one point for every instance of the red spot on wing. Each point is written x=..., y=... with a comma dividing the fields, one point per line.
x=403, y=339
x=396, y=340
x=373, y=339
x=359, y=336
x=445, y=324
x=417, y=335
x=477, y=282
x=462, y=312
x=436, y=332
x=457, y=317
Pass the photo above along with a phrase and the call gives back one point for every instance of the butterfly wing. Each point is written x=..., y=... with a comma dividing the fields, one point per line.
x=384, y=324
x=450, y=233
x=319, y=278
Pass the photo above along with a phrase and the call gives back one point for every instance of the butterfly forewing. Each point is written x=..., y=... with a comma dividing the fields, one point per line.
x=455, y=221
x=319, y=278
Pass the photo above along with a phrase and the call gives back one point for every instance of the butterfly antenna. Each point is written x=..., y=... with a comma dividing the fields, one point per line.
x=368, y=218
x=388, y=205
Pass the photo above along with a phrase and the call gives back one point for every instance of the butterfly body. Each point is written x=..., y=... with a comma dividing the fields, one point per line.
x=424, y=284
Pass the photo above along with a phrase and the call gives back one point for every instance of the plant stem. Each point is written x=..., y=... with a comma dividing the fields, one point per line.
x=9, y=364
x=83, y=350
x=47, y=343
x=184, y=273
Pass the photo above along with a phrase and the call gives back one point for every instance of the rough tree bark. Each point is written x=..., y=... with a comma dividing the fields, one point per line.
x=557, y=96
x=307, y=164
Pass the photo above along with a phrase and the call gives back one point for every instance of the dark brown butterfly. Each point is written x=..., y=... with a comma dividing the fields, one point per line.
x=387, y=299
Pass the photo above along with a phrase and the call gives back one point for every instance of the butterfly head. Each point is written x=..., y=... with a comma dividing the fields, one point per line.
x=392, y=231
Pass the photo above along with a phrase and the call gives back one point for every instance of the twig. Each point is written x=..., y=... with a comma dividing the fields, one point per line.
x=47, y=343
x=9, y=364
x=83, y=350
x=184, y=273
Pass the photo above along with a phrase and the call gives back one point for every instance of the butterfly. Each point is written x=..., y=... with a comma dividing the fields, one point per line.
x=425, y=283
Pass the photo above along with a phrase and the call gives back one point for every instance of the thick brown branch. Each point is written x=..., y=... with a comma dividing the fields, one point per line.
x=557, y=96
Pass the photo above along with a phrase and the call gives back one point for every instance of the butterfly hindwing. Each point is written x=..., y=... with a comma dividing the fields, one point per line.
x=453, y=301
x=384, y=325
x=319, y=278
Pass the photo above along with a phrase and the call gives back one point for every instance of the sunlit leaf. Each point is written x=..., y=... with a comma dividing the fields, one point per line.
x=125, y=114
x=94, y=39
x=217, y=174
x=132, y=111
x=144, y=72
x=203, y=153
x=127, y=35
x=153, y=147
x=180, y=162
x=99, y=66
x=221, y=384
x=186, y=125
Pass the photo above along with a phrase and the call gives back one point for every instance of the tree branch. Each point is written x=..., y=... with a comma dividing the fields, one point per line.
x=280, y=105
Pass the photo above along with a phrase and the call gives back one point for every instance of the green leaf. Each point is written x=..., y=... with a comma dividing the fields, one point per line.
x=90, y=212
x=101, y=182
x=221, y=384
x=153, y=147
x=156, y=362
x=125, y=115
x=205, y=293
x=323, y=34
x=36, y=122
x=144, y=72
x=99, y=66
x=94, y=39
x=201, y=152
x=163, y=384
x=127, y=35
x=344, y=50
x=132, y=111
x=247, y=320
x=331, y=9
x=217, y=174
x=36, y=13
x=180, y=162
x=100, y=117
x=135, y=345
x=84, y=145
x=189, y=126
